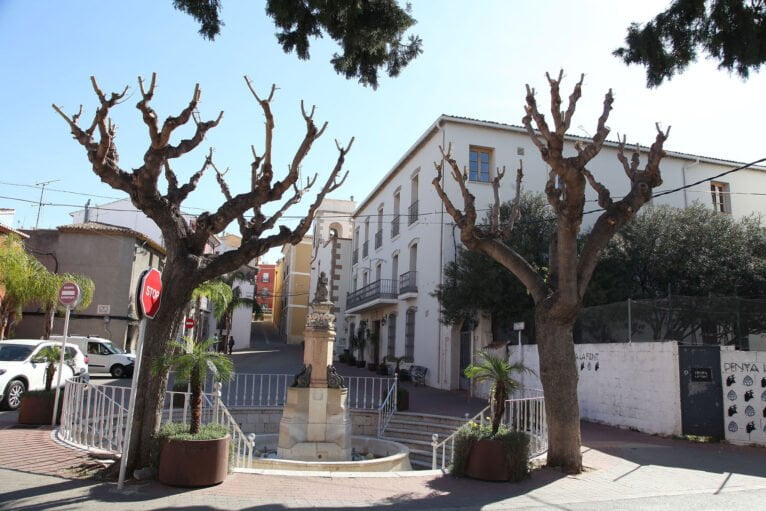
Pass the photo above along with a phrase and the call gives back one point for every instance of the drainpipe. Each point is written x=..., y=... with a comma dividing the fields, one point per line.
x=683, y=177
x=441, y=272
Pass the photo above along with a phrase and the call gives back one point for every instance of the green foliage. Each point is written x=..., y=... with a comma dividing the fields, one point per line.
x=50, y=356
x=695, y=251
x=370, y=33
x=515, y=443
x=499, y=373
x=475, y=282
x=733, y=32
x=217, y=291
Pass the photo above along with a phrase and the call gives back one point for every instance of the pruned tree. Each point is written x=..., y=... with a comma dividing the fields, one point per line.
x=558, y=297
x=732, y=32
x=187, y=265
x=370, y=33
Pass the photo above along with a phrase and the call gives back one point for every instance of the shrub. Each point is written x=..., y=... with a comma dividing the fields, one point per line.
x=516, y=446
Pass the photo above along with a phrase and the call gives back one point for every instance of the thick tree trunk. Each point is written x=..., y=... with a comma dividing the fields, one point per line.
x=558, y=373
x=151, y=387
x=48, y=323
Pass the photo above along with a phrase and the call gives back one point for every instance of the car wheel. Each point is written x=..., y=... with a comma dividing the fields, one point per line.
x=117, y=371
x=13, y=393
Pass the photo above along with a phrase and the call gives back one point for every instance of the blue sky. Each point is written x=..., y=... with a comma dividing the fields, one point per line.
x=478, y=56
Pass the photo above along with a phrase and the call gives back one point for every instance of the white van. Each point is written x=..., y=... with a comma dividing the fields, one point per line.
x=103, y=355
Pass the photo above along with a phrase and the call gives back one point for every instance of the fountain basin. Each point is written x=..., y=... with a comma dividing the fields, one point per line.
x=389, y=457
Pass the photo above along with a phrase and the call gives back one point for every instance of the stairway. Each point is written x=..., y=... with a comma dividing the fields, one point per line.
x=415, y=430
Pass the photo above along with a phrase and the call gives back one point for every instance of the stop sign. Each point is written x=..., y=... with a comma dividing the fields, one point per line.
x=189, y=323
x=150, y=292
x=69, y=294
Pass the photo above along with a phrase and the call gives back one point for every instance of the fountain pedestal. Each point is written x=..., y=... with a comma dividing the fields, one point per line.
x=315, y=424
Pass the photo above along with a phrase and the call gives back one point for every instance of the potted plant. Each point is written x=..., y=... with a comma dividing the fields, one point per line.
x=360, y=343
x=37, y=405
x=402, y=394
x=492, y=452
x=194, y=454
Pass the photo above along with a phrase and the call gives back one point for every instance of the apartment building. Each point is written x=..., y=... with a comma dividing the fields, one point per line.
x=403, y=237
x=291, y=298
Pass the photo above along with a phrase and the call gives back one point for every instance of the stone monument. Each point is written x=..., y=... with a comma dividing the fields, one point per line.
x=315, y=424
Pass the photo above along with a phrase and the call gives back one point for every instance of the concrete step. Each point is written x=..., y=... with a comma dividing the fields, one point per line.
x=429, y=418
x=412, y=434
x=425, y=427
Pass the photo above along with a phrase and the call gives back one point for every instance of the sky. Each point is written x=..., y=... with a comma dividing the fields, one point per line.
x=478, y=56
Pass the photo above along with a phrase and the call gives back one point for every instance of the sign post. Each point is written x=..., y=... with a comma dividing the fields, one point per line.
x=519, y=327
x=149, y=295
x=69, y=297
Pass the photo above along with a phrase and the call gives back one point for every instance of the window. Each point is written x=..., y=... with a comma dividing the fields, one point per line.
x=478, y=164
x=409, y=335
x=391, y=348
x=265, y=293
x=265, y=277
x=721, y=196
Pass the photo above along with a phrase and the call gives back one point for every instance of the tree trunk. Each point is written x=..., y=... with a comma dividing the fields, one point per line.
x=558, y=373
x=196, y=401
x=48, y=322
x=150, y=390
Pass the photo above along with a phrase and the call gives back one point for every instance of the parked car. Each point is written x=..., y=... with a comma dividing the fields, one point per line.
x=103, y=355
x=20, y=371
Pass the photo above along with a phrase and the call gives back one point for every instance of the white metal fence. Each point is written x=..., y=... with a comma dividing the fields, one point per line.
x=524, y=412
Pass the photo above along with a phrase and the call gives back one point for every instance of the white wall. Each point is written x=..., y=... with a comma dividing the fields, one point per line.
x=242, y=318
x=626, y=385
x=743, y=374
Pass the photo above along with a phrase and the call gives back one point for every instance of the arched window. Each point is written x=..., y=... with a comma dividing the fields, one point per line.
x=409, y=335
x=336, y=230
x=391, y=348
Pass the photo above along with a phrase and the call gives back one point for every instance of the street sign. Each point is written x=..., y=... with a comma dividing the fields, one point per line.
x=103, y=310
x=69, y=294
x=518, y=326
x=189, y=323
x=150, y=293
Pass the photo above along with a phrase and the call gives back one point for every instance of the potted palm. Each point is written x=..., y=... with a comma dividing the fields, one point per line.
x=493, y=452
x=194, y=454
x=37, y=405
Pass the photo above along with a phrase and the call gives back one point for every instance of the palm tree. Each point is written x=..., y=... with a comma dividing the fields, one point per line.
x=192, y=360
x=499, y=373
x=50, y=356
x=21, y=279
x=219, y=293
x=237, y=300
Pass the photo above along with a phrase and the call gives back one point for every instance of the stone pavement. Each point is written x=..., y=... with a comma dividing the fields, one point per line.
x=625, y=470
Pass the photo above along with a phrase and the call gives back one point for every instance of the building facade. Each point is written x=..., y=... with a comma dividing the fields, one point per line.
x=292, y=292
x=403, y=237
x=265, y=288
x=114, y=258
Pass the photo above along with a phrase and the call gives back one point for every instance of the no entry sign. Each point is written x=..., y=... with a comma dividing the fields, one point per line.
x=189, y=323
x=150, y=292
x=69, y=294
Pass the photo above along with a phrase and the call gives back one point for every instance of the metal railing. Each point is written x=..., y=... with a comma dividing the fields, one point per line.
x=379, y=239
x=383, y=288
x=395, y=226
x=408, y=282
x=355, y=256
x=413, y=213
x=387, y=408
x=94, y=417
x=365, y=248
x=524, y=412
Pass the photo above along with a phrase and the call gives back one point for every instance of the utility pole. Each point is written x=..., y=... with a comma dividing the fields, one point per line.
x=40, y=203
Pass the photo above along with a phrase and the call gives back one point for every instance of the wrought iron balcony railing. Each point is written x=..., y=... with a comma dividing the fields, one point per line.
x=395, y=226
x=413, y=212
x=384, y=288
x=379, y=239
x=408, y=282
x=365, y=249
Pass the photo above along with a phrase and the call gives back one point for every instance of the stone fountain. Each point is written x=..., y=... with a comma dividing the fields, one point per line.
x=315, y=424
x=315, y=429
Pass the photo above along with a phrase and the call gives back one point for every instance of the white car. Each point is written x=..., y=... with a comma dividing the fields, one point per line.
x=103, y=355
x=20, y=371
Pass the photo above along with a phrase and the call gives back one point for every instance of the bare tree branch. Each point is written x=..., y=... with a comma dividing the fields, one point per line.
x=593, y=148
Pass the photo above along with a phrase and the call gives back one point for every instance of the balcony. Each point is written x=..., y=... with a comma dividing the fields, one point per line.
x=379, y=239
x=355, y=256
x=365, y=249
x=408, y=287
x=379, y=293
x=395, y=227
x=413, y=213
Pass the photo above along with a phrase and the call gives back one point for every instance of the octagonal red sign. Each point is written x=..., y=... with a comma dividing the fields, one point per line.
x=150, y=292
x=69, y=294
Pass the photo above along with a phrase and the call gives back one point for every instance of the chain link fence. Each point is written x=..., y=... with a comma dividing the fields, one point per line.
x=713, y=320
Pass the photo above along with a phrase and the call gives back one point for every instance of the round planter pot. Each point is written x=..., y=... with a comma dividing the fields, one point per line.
x=37, y=409
x=486, y=461
x=193, y=463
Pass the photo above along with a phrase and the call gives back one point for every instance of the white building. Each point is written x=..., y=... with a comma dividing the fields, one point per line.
x=403, y=237
x=331, y=254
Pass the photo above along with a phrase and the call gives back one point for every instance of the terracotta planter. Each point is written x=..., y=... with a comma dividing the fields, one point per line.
x=193, y=463
x=37, y=409
x=486, y=461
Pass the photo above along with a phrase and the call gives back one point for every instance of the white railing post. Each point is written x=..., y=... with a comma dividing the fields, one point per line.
x=434, y=444
x=216, y=399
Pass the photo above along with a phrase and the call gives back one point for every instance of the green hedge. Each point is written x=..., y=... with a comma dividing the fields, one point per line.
x=516, y=449
x=180, y=431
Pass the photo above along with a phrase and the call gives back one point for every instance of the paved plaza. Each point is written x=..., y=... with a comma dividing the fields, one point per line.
x=624, y=470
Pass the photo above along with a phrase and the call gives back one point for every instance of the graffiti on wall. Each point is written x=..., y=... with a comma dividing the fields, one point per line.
x=588, y=361
x=744, y=389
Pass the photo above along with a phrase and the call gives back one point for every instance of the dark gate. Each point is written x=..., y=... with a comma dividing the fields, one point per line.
x=465, y=353
x=701, y=390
